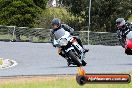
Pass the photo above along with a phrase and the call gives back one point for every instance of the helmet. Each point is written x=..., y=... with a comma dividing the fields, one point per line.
x=120, y=22
x=56, y=21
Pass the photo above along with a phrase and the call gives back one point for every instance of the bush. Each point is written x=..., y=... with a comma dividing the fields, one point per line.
x=44, y=20
x=20, y=12
x=130, y=19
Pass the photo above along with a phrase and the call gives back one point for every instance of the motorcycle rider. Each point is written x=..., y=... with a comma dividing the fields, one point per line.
x=123, y=28
x=56, y=25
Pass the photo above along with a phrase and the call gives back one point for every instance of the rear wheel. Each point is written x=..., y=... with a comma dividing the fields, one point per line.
x=84, y=63
x=74, y=58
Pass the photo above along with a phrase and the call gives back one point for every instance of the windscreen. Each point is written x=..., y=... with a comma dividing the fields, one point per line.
x=129, y=35
x=59, y=33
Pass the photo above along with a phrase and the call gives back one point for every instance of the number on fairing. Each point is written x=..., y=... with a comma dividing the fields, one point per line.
x=77, y=46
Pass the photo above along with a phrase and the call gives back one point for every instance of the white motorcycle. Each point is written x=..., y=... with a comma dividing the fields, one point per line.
x=73, y=51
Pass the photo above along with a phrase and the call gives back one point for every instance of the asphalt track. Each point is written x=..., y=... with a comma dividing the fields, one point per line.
x=42, y=59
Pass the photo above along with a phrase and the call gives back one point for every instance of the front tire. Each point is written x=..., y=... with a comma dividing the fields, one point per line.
x=128, y=51
x=74, y=58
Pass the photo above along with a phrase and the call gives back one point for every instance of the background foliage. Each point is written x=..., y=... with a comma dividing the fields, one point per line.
x=33, y=13
x=20, y=12
x=103, y=13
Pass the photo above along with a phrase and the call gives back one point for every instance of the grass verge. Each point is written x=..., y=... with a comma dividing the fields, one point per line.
x=53, y=82
x=1, y=62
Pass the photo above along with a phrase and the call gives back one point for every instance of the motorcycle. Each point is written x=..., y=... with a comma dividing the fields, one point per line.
x=73, y=51
x=128, y=43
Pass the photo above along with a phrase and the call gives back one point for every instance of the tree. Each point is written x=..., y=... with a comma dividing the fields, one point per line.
x=40, y=3
x=75, y=6
x=18, y=12
x=103, y=13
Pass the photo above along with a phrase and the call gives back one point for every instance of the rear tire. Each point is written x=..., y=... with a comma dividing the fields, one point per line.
x=74, y=58
x=84, y=63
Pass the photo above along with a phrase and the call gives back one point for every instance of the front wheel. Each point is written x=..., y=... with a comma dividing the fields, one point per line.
x=128, y=51
x=74, y=58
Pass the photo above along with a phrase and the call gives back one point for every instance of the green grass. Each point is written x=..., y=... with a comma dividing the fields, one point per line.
x=130, y=19
x=61, y=83
x=5, y=36
x=1, y=62
x=23, y=38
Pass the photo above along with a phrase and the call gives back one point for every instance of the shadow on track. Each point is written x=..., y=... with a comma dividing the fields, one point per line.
x=125, y=64
x=62, y=66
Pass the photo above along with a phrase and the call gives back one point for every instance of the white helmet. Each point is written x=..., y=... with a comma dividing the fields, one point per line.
x=120, y=22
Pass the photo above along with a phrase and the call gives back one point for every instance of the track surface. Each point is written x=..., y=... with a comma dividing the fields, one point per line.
x=42, y=59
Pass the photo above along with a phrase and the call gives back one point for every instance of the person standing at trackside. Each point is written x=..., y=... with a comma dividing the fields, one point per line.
x=123, y=28
x=56, y=25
